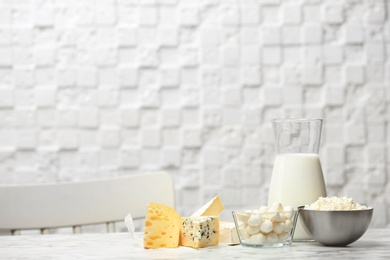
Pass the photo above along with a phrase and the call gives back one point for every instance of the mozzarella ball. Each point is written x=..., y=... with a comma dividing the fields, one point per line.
x=283, y=236
x=278, y=228
x=251, y=230
x=243, y=233
x=288, y=225
x=266, y=226
x=272, y=237
x=258, y=238
x=277, y=206
x=271, y=213
x=244, y=217
x=263, y=209
x=277, y=217
x=254, y=220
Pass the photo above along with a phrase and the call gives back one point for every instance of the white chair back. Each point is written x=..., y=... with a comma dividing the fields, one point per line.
x=75, y=204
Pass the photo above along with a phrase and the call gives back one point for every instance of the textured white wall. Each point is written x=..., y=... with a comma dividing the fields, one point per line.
x=92, y=89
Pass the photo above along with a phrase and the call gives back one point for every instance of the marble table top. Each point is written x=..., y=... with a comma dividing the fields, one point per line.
x=375, y=244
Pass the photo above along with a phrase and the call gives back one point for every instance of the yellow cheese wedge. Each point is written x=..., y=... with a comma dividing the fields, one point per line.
x=200, y=231
x=228, y=233
x=211, y=208
x=162, y=227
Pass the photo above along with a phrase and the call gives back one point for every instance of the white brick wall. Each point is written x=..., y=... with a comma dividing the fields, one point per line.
x=92, y=89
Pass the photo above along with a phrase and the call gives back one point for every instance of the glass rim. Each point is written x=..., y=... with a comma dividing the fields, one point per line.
x=295, y=210
x=284, y=120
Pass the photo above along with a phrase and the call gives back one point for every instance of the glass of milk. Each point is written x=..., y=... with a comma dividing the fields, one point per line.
x=297, y=177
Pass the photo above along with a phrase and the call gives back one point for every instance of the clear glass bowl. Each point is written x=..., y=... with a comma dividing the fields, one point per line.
x=265, y=229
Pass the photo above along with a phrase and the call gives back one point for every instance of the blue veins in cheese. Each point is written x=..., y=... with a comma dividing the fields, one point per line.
x=200, y=231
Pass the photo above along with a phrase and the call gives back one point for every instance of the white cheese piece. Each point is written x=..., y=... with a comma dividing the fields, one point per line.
x=288, y=225
x=263, y=209
x=258, y=238
x=272, y=237
x=254, y=220
x=277, y=206
x=278, y=227
x=228, y=233
x=211, y=208
x=251, y=230
x=243, y=233
x=245, y=217
x=283, y=236
x=266, y=226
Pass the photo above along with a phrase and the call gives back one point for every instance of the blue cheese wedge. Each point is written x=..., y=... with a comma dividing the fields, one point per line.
x=199, y=231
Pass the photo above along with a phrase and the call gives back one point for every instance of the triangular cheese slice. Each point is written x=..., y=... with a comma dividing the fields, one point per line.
x=211, y=208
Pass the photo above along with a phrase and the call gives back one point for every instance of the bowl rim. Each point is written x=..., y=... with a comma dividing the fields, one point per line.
x=302, y=208
x=246, y=211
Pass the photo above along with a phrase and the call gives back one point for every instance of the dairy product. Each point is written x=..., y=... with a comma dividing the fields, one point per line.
x=335, y=203
x=269, y=224
x=228, y=233
x=297, y=180
x=165, y=228
x=162, y=226
x=200, y=231
x=211, y=208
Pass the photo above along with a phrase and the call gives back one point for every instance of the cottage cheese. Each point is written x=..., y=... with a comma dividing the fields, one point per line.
x=335, y=203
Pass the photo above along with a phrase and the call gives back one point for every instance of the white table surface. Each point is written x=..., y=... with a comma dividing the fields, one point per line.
x=375, y=244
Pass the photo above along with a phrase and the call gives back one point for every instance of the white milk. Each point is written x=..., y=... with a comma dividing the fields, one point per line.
x=297, y=180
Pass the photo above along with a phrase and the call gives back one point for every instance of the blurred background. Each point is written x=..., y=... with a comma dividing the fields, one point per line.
x=98, y=89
